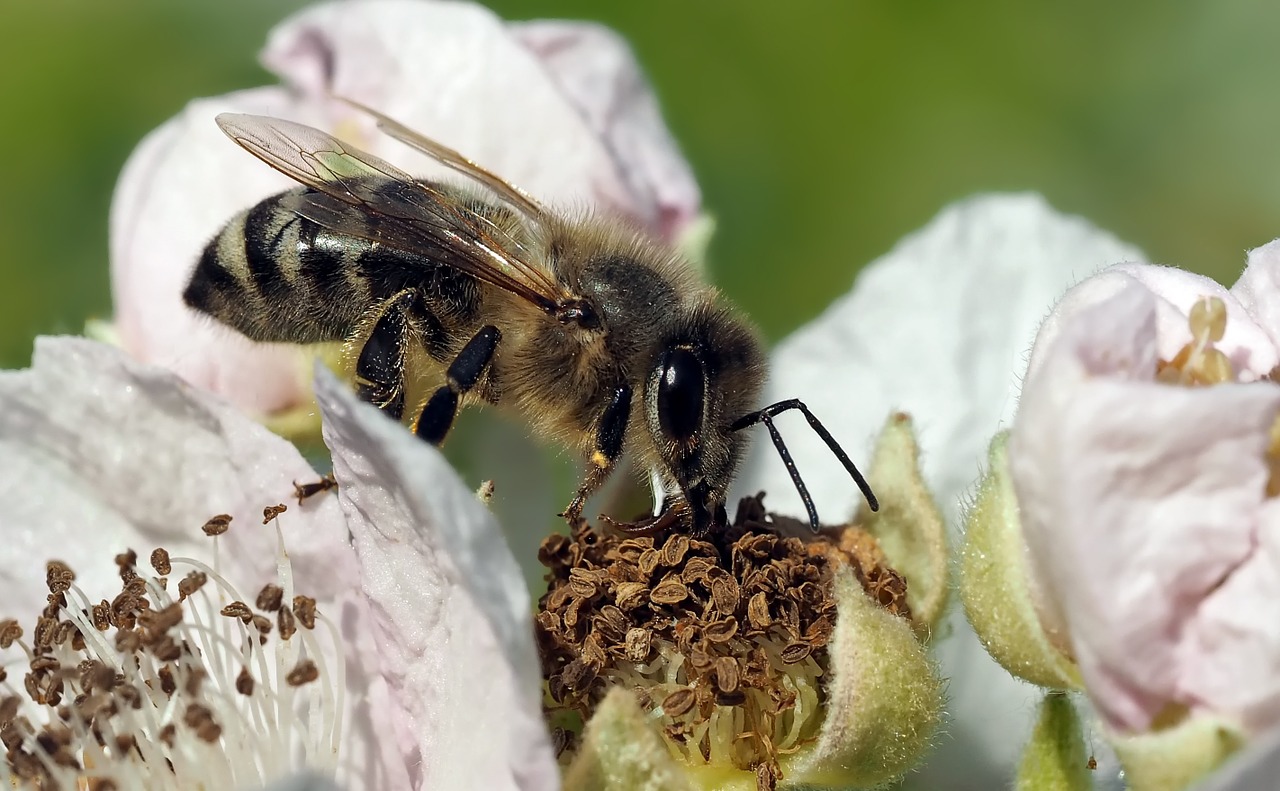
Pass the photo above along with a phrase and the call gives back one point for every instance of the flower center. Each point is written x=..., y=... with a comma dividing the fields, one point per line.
x=156, y=690
x=723, y=639
x=1199, y=364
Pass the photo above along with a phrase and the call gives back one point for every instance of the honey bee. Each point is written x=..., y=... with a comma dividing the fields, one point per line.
x=597, y=334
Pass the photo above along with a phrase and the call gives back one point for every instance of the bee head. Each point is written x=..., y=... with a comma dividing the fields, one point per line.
x=707, y=373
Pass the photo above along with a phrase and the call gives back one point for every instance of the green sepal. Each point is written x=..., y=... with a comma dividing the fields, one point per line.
x=884, y=700
x=1055, y=758
x=994, y=585
x=909, y=527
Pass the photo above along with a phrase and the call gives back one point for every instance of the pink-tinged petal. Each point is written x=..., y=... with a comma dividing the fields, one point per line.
x=939, y=328
x=179, y=188
x=454, y=72
x=598, y=73
x=1229, y=654
x=1258, y=289
x=99, y=453
x=1246, y=343
x=448, y=605
x=1137, y=498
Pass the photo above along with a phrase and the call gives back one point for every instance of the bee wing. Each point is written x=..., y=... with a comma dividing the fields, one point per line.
x=455, y=161
x=361, y=195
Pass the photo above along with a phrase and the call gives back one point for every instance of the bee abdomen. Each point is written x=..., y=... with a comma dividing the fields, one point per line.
x=278, y=277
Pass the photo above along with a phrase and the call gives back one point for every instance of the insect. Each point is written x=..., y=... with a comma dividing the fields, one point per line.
x=597, y=334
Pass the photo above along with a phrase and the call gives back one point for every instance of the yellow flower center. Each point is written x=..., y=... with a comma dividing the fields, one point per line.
x=1200, y=364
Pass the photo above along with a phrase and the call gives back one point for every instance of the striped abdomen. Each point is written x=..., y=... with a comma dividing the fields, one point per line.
x=278, y=277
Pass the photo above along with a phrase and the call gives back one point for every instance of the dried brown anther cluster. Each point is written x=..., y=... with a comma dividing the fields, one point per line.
x=726, y=636
x=102, y=679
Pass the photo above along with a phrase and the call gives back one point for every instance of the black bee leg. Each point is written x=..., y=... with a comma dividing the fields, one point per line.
x=464, y=373
x=608, y=449
x=380, y=366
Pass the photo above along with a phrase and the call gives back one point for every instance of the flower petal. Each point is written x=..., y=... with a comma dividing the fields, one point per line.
x=596, y=71
x=1137, y=498
x=1258, y=289
x=178, y=188
x=487, y=95
x=937, y=328
x=1246, y=344
x=99, y=453
x=449, y=606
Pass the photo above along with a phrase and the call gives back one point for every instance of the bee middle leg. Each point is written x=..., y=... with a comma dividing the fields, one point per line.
x=464, y=373
x=607, y=449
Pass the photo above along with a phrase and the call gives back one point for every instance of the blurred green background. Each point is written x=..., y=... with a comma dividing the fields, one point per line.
x=820, y=132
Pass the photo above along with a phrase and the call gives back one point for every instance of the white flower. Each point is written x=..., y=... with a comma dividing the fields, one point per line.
x=433, y=620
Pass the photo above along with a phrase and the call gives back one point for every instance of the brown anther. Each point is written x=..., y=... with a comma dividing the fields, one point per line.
x=303, y=673
x=679, y=703
x=160, y=561
x=726, y=674
x=630, y=595
x=194, y=681
x=200, y=719
x=263, y=624
x=58, y=576
x=725, y=594
x=796, y=652
x=127, y=563
x=244, y=682
x=670, y=591
x=157, y=622
x=101, y=616
x=95, y=675
x=191, y=583
x=168, y=734
x=582, y=582
x=217, y=525
x=10, y=631
x=721, y=630
x=238, y=609
x=758, y=611
x=273, y=511
x=304, y=607
x=168, y=685
x=270, y=598
x=286, y=623
x=674, y=550
x=638, y=643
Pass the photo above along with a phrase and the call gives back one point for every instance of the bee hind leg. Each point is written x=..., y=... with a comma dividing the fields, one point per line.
x=380, y=366
x=464, y=373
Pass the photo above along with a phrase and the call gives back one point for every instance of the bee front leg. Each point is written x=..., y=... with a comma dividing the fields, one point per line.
x=607, y=449
x=380, y=366
x=464, y=373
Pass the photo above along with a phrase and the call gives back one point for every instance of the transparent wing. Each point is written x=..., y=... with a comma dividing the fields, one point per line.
x=450, y=158
x=360, y=195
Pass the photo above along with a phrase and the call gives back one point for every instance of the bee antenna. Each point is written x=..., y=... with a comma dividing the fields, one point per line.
x=766, y=416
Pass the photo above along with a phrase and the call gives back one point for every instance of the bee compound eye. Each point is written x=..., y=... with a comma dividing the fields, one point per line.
x=681, y=393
